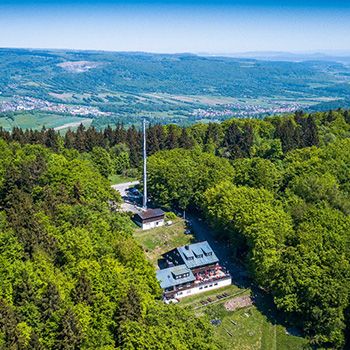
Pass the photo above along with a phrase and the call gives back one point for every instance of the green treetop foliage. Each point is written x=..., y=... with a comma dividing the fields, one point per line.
x=179, y=177
x=72, y=276
x=312, y=276
x=277, y=188
x=284, y=204
x=254, y=221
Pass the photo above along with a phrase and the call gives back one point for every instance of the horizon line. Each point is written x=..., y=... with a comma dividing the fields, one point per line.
x=198, y=53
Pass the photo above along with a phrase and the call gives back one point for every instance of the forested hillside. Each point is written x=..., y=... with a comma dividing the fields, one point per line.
x=277, y=188
x=283, y=202
x=72, y=276
x=55, y=87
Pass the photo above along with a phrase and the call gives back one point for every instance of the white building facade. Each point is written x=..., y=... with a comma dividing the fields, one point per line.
x=191, y=270
x=150, y=218
x=204, y=287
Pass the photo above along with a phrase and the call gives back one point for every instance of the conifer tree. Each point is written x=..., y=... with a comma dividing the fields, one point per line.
x=172, y=137
x=8, y=326
x=82, y=291
x=129, y=307
x=185, y=141
x=69, y=333
x=50, y=301
x=152, y=140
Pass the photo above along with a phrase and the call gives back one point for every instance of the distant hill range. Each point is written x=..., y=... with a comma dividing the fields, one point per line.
x=107, y=87
x=335, y=56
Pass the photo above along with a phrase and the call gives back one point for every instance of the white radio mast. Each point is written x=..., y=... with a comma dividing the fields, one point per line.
x=144, y=165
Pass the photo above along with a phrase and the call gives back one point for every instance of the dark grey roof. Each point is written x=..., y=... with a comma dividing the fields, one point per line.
x=172, y=276
x=151, y=213
x=198, y=254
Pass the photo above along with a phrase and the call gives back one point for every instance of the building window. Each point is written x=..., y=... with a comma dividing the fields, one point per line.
x=215, y=284
x=210, y=285
x=200, y=287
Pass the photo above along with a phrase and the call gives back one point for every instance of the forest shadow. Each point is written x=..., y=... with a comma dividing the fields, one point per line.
x=265, y=304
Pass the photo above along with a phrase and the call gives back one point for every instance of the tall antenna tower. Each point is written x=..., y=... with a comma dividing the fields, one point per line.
x=144, y=165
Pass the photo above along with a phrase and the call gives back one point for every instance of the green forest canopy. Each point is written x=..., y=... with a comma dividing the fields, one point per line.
x=72, y=276
x=277, y=188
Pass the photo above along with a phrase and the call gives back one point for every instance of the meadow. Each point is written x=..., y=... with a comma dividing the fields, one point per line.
x=37, y=120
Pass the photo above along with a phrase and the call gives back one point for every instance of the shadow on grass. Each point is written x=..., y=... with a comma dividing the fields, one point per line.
x=265, y=304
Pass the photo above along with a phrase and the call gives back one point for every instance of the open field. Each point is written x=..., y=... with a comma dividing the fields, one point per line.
x=37, y=120
x=249, y=328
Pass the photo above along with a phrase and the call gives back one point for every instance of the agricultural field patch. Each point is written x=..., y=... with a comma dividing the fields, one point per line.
x=31, y=120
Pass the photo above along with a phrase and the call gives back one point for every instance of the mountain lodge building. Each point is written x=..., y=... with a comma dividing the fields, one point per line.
x=191, y=269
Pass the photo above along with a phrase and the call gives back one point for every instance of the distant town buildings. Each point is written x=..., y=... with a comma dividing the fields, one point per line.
x=247, y=109
x=19, y=103
x=214, y=113
x=190, y=270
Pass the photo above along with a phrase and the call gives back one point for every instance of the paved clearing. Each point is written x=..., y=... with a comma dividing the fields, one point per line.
x=121, y=188
x=127, y=204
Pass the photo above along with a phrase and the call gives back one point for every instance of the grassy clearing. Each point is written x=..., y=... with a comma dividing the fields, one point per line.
x=249, y=328
x=119, y=179
x=159, y=240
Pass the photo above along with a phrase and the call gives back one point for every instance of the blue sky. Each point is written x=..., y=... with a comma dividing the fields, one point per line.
x=209, y=26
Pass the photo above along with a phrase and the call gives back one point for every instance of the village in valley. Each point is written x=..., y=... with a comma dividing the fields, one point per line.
x=195, y=269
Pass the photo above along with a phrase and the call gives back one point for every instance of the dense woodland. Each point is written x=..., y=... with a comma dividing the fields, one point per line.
x=73, y=277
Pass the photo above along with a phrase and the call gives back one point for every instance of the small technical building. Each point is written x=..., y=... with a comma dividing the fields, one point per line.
x=150, y=218
x=190, y=270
